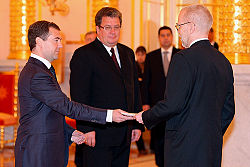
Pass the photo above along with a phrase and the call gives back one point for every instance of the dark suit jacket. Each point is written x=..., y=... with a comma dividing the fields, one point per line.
x=198, y=108
x=154, y=82
x=95, y=80
x=43, y=136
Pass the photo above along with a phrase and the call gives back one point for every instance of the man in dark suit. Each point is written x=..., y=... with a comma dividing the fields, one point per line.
x=103, y=74
x=154, y=83
x=43, y=136
x=199, y=97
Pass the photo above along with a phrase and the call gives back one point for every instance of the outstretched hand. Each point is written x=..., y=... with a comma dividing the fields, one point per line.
x=120, y=116
x=138, y=117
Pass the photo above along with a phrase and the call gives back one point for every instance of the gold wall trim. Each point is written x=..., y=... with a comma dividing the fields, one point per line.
x=132, y=23
x=22, y=14
x=141, y=22
x=39, y=10
x=88, y=15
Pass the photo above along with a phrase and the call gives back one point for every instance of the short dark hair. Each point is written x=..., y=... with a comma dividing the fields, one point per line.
x=39, y=29
x=141, y=49
x=107, y=12
x=211, y=29
x=164, y=28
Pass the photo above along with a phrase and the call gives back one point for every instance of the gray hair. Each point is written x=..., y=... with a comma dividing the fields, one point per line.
x=200, y=16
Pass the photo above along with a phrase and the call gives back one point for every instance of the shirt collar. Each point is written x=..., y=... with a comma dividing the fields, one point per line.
x=200, y=39
x=43, y=60
x=109, y=48
x=169, y=50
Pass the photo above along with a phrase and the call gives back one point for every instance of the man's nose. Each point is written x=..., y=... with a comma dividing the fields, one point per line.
x=60, y=44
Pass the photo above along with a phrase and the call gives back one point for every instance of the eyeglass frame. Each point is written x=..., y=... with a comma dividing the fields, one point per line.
x=178, y=26
x=109, y=28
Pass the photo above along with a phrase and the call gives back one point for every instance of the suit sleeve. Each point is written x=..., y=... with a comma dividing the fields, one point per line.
x=45, y=89
x=228, y=110
x=178, y=88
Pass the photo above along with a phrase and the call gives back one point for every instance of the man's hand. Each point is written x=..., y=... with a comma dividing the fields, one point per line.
x=138, y=117
x=145, y=107
x=136, y=133
x=78, y=137
x=119, y=117
x=90, y=139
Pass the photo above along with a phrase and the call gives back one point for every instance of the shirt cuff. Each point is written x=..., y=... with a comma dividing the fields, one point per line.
x=109, y=115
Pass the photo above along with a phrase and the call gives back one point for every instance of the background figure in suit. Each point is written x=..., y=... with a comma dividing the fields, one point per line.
x=211, y=38
x=199, y=97
x=154, y=83
x=43, y=136
x=140, y=54
x=103, y=74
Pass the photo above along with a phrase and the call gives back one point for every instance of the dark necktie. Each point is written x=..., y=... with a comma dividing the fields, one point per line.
x=52, y=70
x=165, y=62
x=114, y=58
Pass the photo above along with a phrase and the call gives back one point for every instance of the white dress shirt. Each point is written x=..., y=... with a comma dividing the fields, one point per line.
x=116, y=53
x=197, y=41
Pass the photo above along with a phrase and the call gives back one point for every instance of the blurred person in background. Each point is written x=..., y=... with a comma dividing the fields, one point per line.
x=211, y=38
x=140, y=55
x=89, y=37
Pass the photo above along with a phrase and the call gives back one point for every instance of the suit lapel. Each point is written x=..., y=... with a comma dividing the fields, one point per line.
x=123, y=59
x=106, y=56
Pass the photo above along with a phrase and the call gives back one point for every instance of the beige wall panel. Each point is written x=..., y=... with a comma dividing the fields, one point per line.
x=5, y=28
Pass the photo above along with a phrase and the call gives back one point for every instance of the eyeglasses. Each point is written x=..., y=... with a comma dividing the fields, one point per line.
x=109, y=28
x=178, y=26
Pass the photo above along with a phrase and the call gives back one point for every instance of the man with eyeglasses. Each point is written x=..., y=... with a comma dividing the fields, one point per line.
x=199, y=97
x=154, y=83
x=104, y=74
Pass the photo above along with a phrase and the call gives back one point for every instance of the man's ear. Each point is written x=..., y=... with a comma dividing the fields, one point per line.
x=97, y=29
x=38, y=41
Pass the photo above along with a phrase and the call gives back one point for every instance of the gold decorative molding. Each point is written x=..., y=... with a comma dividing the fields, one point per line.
x=231, y=26
x=96, y=5
x=56, y=6
x=141, y=23
x=22, y=14
x=132, y=23
x=74, y=42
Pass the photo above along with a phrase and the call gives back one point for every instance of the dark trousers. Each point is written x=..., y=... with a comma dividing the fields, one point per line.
x=140, y=144
x=103, y=156
x=159, y=150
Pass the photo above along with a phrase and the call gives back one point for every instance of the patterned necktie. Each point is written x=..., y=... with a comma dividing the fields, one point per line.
x=114, y=58
x=52, y=70
x=165, y=62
